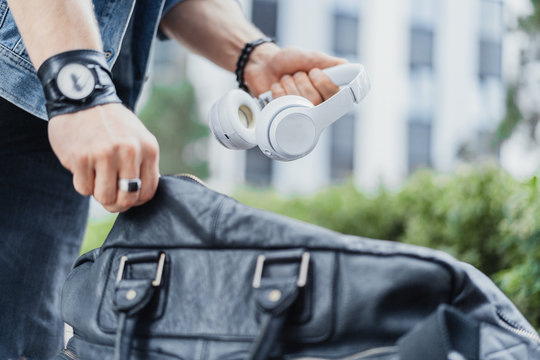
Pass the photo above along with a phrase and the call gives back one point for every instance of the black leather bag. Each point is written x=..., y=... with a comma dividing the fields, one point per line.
x=193, y=274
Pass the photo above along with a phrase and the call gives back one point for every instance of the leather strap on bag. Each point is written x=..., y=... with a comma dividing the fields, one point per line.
x=445, y=335
x=278, y=280
x=275, y=293
x=131, y=297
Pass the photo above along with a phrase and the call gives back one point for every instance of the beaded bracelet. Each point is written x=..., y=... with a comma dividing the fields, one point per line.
x=243, y=59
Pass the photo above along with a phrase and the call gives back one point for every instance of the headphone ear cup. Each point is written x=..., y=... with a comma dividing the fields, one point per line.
x=233, y=119
x=272, y=115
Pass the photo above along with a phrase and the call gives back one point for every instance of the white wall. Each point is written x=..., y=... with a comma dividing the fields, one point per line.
x=380, y=146
x=457, y=79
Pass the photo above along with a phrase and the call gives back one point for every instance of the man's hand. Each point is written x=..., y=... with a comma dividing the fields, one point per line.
x=290, y=71
x=218, y=30
x=102, y=144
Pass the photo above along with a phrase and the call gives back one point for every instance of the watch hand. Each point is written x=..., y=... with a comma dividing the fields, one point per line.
x=76, y=84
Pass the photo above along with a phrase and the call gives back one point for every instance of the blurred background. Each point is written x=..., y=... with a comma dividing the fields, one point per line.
x=442, y=153
x=442, y=72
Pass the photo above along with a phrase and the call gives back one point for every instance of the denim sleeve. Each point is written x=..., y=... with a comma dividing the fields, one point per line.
x=169, y=4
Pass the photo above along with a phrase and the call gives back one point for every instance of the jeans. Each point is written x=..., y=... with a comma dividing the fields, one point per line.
x=42, y=222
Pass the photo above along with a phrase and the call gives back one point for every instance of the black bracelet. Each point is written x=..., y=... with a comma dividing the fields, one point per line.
x=243, y=59
x=76, y=80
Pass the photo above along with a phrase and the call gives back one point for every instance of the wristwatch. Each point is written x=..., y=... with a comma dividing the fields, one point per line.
x=76, y=80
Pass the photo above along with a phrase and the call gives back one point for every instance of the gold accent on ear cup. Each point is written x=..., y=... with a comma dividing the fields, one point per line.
x=232, y=120
x=246, y=116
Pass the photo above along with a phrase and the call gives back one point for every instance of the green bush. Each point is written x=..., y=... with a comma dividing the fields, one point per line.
x=480, y=215
x=171, y=115
x=96, y=232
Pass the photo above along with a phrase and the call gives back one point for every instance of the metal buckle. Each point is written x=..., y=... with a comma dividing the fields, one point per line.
x=302, y=273
x=159, y=269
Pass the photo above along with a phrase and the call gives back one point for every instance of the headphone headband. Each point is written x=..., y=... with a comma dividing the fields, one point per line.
x=355, y=85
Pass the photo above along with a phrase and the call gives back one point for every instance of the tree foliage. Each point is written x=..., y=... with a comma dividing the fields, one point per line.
x=171, y=115
x=480, y=215
x=522, y=106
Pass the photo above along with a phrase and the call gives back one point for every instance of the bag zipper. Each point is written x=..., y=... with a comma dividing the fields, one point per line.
x=69, y=354
x=192, y=177
x=388, y=350
x=508, y=325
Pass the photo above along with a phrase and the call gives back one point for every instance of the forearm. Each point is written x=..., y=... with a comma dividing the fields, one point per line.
x=52, y=27
x=215, y=29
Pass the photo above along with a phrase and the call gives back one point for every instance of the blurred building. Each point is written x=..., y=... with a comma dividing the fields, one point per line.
x=437, y=89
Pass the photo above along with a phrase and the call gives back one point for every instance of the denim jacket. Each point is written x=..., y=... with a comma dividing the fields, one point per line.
x=136, y=21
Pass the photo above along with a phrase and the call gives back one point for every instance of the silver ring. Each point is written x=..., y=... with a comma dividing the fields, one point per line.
x=129, y=185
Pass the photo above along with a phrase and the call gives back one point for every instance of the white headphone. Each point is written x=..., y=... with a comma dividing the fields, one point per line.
x=288, y=127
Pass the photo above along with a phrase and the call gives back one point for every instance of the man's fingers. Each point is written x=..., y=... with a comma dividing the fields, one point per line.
x=149, y=179
x=149, y=173
x=83, y=174
x=287, y=82
x=130, y=162
x=306, y=89
x=322, y=83
x=115, y=145
x=315, y=86
x=105, y=187
x=277, y=90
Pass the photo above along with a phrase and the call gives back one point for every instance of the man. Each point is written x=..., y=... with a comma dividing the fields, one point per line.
x=93, y=144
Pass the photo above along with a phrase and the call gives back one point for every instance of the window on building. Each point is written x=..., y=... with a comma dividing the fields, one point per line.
x=423, y=19
x=421, y=103
x=419, y=143
x=345, y=40
x=258, y=168
x=264, y=14
x=421, y=48
x=491, y=33
x=490, y=59
x=421, y=94
x=342, y=148
x=345, y=44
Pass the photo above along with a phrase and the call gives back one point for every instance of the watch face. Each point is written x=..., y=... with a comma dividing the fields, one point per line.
x=75, y=81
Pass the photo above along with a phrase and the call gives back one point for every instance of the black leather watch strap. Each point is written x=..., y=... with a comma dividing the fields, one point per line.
x=57, y=102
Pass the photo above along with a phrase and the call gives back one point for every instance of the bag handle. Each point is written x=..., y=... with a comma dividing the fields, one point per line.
x=275, y=293
x=278, y=279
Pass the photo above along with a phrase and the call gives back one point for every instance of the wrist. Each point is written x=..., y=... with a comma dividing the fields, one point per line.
x=253, y=54
x=76, y=80
x=259, y=61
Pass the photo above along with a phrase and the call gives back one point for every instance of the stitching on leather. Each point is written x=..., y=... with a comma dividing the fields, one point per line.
x=144, y=351
x=217, y=216
x=114, y=259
